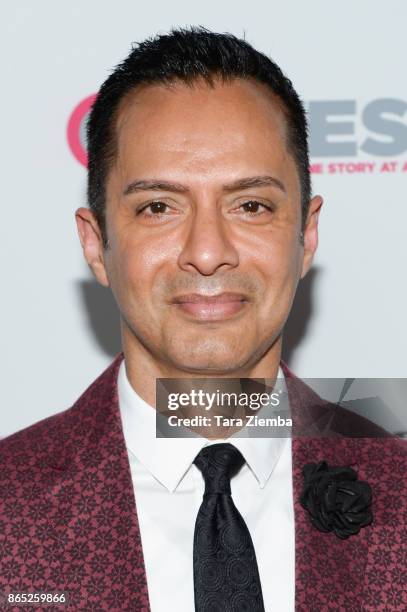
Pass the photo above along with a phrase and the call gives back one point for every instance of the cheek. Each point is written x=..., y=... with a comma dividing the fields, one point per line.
x=280, y=263
x=135, y=267
x=280, y=277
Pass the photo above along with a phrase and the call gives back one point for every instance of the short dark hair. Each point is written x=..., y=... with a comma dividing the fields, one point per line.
x=187, y=54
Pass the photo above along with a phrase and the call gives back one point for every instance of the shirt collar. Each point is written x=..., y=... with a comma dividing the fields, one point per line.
x=168, y=459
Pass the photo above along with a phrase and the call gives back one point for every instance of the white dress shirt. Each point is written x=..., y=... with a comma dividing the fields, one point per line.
x=168, y=489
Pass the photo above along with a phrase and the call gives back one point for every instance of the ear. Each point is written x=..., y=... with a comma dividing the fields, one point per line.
x=311, y=233
x=92, y=244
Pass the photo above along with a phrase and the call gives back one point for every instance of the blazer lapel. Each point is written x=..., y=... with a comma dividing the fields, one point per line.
x=93, y=514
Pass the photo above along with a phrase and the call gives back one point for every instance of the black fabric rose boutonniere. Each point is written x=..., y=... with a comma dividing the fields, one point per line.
x=336, y=500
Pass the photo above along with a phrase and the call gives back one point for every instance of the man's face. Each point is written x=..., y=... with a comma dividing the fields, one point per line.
x=203, y=218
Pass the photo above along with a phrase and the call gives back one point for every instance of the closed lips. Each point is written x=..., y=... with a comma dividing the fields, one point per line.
x=222, y=298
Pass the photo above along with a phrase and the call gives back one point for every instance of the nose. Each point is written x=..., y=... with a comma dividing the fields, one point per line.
x=207, y=246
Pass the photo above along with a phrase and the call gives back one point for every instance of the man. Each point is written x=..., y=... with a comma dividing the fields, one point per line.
x=201, y=222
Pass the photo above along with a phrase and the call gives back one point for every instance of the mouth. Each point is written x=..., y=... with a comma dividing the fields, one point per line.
x=211, y=307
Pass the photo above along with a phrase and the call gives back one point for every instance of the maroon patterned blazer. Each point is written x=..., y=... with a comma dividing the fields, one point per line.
x=68, y=519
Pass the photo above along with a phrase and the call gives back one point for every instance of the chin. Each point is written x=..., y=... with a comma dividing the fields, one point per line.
x=210, y=353
x=209, y=362
x=209, y=367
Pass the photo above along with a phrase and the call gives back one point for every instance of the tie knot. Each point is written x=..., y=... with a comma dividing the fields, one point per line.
x=218, y=464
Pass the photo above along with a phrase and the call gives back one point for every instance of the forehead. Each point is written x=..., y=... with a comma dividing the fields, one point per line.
x=202, y=129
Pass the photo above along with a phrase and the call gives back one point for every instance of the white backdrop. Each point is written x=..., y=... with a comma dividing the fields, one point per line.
x=347, y=60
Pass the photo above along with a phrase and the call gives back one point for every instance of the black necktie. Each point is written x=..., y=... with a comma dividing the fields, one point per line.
x=226, y=577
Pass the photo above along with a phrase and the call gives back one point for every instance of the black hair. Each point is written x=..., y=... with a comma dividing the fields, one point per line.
x=187, y=54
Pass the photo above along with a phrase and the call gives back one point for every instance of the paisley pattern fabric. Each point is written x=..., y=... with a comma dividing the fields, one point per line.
x=68, y=518
x=226, y=576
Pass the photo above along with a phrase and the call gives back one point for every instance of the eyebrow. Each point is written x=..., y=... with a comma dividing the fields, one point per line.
x=244, y=183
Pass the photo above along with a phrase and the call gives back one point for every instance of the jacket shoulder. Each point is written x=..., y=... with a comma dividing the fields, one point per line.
x=35, y=437
x=50, y=438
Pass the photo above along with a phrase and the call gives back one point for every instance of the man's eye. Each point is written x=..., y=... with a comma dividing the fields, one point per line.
x=253, y=207
x=154, y=208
